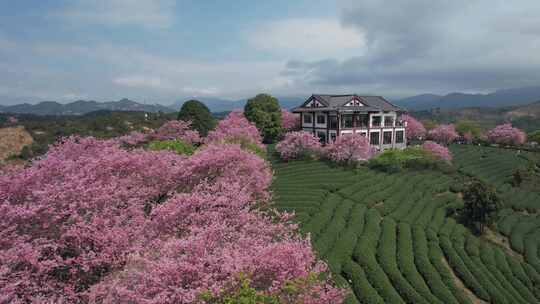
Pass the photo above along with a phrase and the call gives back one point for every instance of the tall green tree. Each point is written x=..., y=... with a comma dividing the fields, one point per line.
x=199, y=115
x=265, y=112
x=481, y=205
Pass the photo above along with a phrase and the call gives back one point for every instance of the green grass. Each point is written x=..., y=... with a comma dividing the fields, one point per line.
x=388, y=238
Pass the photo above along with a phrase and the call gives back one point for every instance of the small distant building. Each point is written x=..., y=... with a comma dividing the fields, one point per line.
x=329, y=116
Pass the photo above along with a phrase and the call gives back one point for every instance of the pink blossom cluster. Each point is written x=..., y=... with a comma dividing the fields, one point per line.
x=289, y=121
x=415, y=129
x=507, y=135
x=350, y=148
x=443, y=134
x=235, y=128
x=439, y=151
x=133, y=139
x=75, y=215
x=92, y=222
x=12, y=120
x=176, y=129
x=299, y=144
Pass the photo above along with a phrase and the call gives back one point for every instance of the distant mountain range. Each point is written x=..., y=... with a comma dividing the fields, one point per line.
x=508, y=97
x=80, y=107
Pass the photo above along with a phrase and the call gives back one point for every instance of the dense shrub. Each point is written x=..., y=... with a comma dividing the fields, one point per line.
x=298, y=145
x=178, y=146
x=534, y=136
x=289, y=121
x=438, y=151
x=349, y=148
x=415, y=129
x=394, y=160
x=505, y=134
x=443, y=134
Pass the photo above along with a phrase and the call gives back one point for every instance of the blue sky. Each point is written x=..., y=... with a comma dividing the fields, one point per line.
x=165, y=50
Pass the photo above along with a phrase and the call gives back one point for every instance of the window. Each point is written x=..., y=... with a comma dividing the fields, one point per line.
x=376, y=121
x=399, y=137
x=333, y=122
x=374, y=138
x=389, y=121
x=322, y=136
x=321, y=119
x=333, y=136
x=307, y=118
x=347, y=121
x=387, y=137
x=363, y=120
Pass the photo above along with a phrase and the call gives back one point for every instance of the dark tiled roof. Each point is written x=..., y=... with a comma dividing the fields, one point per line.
x=337, y=103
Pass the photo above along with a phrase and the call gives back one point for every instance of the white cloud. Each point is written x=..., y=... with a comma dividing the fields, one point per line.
x=308, y=38
x=142, y=82
x=149, y=14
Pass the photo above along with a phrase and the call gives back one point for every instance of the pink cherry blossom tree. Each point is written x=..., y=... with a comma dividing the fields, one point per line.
x=443, y=134
x=438, y=151
x=415, y=130
x=350, y=148
x=235, y=128
x=505, y=134
x=289, y=121
x=299, y=144
x=92, y=222
x=74, y=215
x=176, y=129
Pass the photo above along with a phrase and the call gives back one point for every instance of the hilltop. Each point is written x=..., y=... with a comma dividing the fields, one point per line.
x=81, y=107
x=499, y=98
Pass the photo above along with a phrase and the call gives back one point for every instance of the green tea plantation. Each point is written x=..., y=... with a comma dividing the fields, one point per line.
x=389, y=238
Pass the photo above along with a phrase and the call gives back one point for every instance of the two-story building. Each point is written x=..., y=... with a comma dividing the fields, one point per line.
x=329, y=116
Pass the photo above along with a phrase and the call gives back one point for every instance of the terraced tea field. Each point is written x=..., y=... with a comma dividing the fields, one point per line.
x=388, y=236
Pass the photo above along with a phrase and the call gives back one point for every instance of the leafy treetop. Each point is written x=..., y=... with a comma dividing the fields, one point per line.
x=265, y=112
x=199, y=115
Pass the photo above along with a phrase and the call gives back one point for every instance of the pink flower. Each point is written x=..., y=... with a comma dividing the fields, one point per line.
x=235, y=128
x=415, y=129
x=177, y=129
x=92, y=222
x=444, y=134
x=507, y=135
x=297, y=145
x=289, y=121
x=350, y=148
x=133, y=139
x=439, y=151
